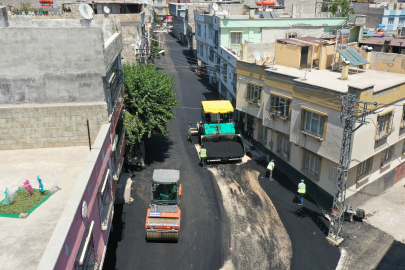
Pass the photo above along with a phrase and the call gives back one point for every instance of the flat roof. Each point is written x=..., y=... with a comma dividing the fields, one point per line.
x=166, y=176
x=23, y=241
x=331, y=79
x=217, y=106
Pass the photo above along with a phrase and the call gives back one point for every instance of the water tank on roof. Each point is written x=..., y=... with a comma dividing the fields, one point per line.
x=46, y=3
x=266, y=3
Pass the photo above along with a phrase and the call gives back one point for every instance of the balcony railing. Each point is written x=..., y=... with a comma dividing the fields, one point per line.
x=107, y=209
x=384, y=133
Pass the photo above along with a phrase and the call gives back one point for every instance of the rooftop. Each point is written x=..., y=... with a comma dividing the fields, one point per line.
x=23, y=241
x=331, y=79
x=305, y=41
x=380, y=41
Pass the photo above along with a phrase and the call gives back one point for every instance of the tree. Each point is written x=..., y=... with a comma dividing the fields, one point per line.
x=149, y=101
x=344, y=6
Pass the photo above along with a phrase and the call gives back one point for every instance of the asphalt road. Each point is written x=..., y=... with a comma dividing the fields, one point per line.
x=205, y=238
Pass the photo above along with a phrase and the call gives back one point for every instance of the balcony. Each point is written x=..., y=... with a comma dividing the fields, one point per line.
x=384, y=133
x=107, y=209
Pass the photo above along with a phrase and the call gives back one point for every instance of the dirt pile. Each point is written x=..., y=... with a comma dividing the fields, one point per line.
x=258, y=238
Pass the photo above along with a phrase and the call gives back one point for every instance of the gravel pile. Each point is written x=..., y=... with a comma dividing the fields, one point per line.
x=224, y=149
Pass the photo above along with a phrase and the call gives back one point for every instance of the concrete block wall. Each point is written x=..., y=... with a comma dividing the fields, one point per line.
x=43, y=125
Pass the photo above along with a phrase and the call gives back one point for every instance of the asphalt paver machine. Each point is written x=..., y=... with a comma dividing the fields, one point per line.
x=217, y=133
x=164, y=214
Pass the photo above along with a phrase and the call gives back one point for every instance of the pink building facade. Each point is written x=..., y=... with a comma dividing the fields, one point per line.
x=80, y=238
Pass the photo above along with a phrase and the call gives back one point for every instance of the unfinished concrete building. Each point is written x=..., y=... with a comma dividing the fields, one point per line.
x=60, y=81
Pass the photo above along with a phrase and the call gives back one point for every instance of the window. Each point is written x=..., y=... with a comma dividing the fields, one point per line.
x=254, y=92
x=225, y=72
x=364, y=168
x=401, y=21
x=311, y=164
x=403, y=149
x=200, y=49
x=160, y=1
x=283, y=147
x=280, y=106
x=216, y=39
x=210, y=31
x=391, y=21
x=106, y=200
x=314, y=123
x=218, y=66
x=236, y=38
x=199, y=30
x=211, y=55
x=291, y=35
x=384, y=125
x=387, y=155
x=160, y=10
x=403, y=117
x=263, y=133
x=87, y=256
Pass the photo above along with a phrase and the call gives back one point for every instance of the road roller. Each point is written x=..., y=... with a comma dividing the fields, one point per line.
x=164, y=214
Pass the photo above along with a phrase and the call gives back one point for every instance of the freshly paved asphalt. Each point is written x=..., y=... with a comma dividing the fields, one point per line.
x=204, y=237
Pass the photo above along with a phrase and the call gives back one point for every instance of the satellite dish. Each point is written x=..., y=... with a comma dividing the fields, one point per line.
x=267, y=57
x=215, y=7
x=106, y=10
x=257, y=56
x=86, y=11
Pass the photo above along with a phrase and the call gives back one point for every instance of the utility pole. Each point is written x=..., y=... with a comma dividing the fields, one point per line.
x=349, y=119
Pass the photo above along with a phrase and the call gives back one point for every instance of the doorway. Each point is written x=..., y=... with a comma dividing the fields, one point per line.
x=304, y=57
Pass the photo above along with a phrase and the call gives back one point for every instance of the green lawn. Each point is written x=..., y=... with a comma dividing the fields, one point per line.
x=24, y=202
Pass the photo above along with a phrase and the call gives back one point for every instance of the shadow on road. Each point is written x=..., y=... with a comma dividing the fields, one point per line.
x=161, y=146
x=317, y=218
x=116, y=235
x=284, y=181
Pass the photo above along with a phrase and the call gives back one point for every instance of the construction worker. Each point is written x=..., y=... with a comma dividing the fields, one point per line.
x=270, y=167
x=203, y=156
x=301, y=191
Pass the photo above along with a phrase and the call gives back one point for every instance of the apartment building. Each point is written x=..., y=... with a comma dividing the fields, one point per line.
x=226, y=37
x=293, y=114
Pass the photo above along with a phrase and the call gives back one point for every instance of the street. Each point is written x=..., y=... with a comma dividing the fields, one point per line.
x=233, y=217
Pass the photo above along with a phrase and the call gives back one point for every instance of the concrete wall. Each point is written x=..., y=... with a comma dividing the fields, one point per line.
x=288, y=55
x=389, y=62
x=112, y=48
x=51, y=65
x=107, y=26
x=3, y=17
x=374, y=14
x=59, y=125
x=301, y=7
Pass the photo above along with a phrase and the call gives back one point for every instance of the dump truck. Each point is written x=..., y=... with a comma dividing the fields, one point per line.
x=164, y=214
x=216, y=131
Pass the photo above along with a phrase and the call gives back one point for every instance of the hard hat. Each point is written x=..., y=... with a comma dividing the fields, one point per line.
x=302, y=180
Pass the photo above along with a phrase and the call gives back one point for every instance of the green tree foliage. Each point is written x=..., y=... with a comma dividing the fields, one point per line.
x=149, y=101
x=344, y=6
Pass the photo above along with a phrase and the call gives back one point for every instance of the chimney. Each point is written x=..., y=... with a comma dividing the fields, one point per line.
x=244, y=52
x=251, y=13
x=345, y=70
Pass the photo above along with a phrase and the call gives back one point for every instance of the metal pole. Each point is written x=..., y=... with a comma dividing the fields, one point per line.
x=88, y=133
x=348, y=120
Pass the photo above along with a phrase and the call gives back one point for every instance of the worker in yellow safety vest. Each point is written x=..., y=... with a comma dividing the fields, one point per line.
x=301, y=191
x=270, y=167
x=203, y=156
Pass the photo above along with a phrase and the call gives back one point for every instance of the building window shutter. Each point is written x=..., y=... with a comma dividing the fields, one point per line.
x=248, y=92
